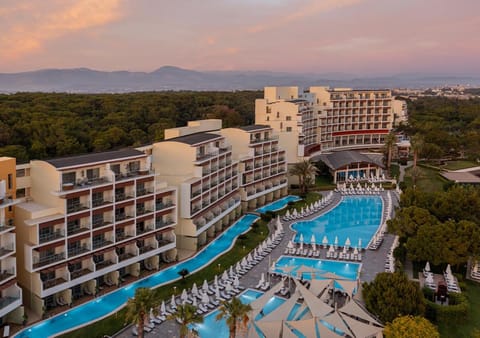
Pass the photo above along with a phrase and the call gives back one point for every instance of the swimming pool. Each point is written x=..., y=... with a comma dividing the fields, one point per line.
x=105, y=305
x=278, y=204
x=346, y=270
x=355, y=217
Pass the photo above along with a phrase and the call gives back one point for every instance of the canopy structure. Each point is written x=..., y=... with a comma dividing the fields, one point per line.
x=361, y=329
x=316, y=306
x=282, y=311
x=336, y=321
x=307, y=327
x=353, y=309
x=348, y=286
x=270, y=329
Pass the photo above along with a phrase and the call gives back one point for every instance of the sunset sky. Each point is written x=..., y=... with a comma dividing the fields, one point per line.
x=364, y=37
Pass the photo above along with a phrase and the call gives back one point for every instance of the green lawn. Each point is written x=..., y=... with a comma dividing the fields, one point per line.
x=394, y=171
x=456, y=165
x=428, y=179
x=465, y=330
x=243, y=246
x=324, y=182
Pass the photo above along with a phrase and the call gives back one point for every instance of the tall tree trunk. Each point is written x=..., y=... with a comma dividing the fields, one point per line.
x=233, y=329
x=140, y=327
x=389, y=159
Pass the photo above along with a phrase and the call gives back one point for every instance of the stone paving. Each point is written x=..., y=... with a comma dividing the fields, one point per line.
x=373, y=262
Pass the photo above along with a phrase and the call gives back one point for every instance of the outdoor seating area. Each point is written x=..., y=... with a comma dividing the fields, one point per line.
x=390, y=260
x=452, y=284
x=429, y=278
x=474, y=273
x=344, y=254
x=309, y=209
x=366, y=189
x=379, y=235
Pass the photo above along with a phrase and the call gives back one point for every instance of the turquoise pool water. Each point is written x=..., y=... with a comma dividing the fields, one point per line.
x=347, y=270
x=103, y=306
x=278, y=204
x=355, y=217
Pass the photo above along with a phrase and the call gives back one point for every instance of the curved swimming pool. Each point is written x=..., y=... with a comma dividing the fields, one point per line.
x=355, y=217
x=278, y=204
x=107, y=304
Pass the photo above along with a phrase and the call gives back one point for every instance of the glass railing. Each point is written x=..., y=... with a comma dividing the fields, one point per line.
x=46, y=260
x=47, y=237
x=76, y=207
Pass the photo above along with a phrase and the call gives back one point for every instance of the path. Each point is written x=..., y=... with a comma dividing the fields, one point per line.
x=402, y=170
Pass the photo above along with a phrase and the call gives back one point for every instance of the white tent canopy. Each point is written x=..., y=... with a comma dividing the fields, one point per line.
x=306, y=327
x=361, y=329
x=281, y=312
x=336, y=320
x=427, y=267
x=316, y=306
x=270, y=329
x=353, y=309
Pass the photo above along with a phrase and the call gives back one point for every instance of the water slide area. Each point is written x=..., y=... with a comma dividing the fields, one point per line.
x=109, y=303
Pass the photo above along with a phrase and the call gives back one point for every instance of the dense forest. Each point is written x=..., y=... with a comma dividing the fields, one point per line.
x=39, y=125
x=449, y=127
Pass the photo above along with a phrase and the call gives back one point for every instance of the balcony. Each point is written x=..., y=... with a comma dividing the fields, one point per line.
x=100, y=202
x=83, y=183
x=101, y=243
x=48, y=237
x=73, y=230
x=143, y=192
x=196, y=193
x=6, y=250
x=145, y=229
x=122, y=217
x=47, y=260
x=7, y=226
x=160, y=223
x=143, y=211
x=72, y=252
x=265, y=139
x=79, y=273
x=224, y=149
x=103, y=264
x=6, y=274
x=163, y=242
x=77, y=207
x=145, y=248
x=53, y=282
x=122, y=197
x=125, y=256
x=102, y=223
x=132, y=174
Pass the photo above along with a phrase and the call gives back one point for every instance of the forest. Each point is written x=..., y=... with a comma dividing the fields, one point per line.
x=46, y=125
x=450, y=128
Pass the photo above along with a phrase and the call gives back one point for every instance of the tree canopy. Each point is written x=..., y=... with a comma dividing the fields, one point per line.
x=391, y=295
x=410, y=327
x=45, y=125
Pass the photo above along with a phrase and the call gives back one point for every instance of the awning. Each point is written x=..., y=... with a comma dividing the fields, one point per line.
x=360, y=329
x=353, y=309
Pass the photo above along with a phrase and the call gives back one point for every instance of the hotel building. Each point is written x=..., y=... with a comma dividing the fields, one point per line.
x=11, y=295
x=89, y=223
x=199, y=161
x=262, y=164
x=293, y=118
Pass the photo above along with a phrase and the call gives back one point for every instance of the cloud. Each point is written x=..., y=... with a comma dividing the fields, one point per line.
x=29, y=35
x=312, y=8
x=354, y=44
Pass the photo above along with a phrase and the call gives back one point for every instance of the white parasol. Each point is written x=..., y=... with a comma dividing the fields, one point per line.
x=236, y=282
x=290, y=245
x=194, y=289
x=301, y=238
x=262, y=278
x=172, y=301
x=163, y=308
x=427, y=267
x=313, y=239
x=194, y=303
x=325, y=240
x=448, y=270
x=336, y=241
x=225, y=275
x=347, y=242
x=360, y=243
x=205, y=298
x=184, y=296
x=205, y=286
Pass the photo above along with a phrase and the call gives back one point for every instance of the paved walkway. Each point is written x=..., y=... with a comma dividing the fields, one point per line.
x=402, y=170
x=373, y=263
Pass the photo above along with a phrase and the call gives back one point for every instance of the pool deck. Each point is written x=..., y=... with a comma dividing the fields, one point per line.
x=373, y=262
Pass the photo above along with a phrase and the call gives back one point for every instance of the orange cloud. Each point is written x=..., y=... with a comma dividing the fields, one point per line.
x=23, y=38
x=312, y=8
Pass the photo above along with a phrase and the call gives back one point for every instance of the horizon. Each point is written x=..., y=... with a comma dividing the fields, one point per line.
x=353, y=37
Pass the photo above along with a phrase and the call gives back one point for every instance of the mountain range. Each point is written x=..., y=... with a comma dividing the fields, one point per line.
x=84, y=80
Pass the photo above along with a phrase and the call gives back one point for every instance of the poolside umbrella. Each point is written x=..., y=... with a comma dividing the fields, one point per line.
x=205, y=298
x=429, y=278
x=215, y=280
x=336, y=241
x=355, y=251
x=231, y=273
x=236, y=282
x=238, y=267
x=331, y=249
x=269, y=241
x=301, y=245
x=217, y=293
x=228, y=288
x=205, y=285
x=325, y=240
x=163, y=308
x=184, y=296
x=294, y=213
x=194, y=303
x=290, y=245
x=427, y=266
x=262, y=278
x=307, y=209
x=448, y=270
x=360, y=243
x=302, y=212
x=194, y=289
x=313, y=239
x=279, y=223
x=301, y=238
x=347, y=243
x=225, y=275
x=172, y=301
x=287, y=214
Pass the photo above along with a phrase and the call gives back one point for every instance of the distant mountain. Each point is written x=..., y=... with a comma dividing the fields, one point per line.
x=84, y=80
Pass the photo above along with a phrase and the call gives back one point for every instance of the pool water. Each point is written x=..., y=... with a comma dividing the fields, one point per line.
x=103, y=306
x=278, y=204
x=355, y=217
x=346, y=270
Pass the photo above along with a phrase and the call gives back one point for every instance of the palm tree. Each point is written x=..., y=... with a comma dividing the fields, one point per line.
x=417, y=145
x=305, y=170
x=186, y=315
x=234, y=312
x=139, y=306
x=390, y=141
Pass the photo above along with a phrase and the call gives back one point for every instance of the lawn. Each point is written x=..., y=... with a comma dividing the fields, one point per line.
x=394, y=171
x=466, y=329
x=460, y=164
x=244, y=244
x=324, y=182
x=428, y=180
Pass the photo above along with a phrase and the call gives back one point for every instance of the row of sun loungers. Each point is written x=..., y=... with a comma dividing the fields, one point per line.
x=302, y=252
x=452, y=285
x=310, y=209
x=344, y=256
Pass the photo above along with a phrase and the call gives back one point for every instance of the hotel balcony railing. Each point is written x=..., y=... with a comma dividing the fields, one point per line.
x=214, y=168
x=143, y=192
x=100, y=202
x=46, y=260
x=77, y=207
x=122, y=196
x=125, y=256
x=224, y=149
x=196, y=193
x=103, y=264
x=250, y=192
x=132, y=174
x=160, y=206
x=163, y=242
x=195, y=209
x=228, y=162
x=73, y=230
x=78, y=251
x=283, y=180
x=145, y=229
x=265, y=139
x=258, y=164
x=53, y=282
x=143, y=211
x=87, y=182
x=163, y=223
x=44, y=238
x=122, y=217
x=199, y=223
x=213, y=183
x=6, y=226
x=79, y=273
x=6, y=273
x=123, y=236
x=102, y=243
x=101, y=223
x=248, y=167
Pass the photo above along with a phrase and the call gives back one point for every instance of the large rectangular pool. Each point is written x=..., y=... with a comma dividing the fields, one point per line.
x=355, y=217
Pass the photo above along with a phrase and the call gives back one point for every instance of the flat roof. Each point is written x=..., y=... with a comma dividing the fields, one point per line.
x=254, y=127
x=461, y=177
x=196, y=138
x=297, y=100
x=339, y=159
x=107, y=156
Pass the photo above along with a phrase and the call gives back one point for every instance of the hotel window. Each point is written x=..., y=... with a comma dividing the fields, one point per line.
x=93, y=173
x=288, y=118
x=278, y=114
x=20, y=172
x=68, y=177
x=115, y=168
x=134, y=166
x=289, y=129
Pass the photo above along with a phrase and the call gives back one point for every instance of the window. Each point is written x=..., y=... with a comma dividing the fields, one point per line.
x=20, y=172
x=20, y=193
x=68, y=178
x=288, y=118
x=134, y=166
x=289, y=129
x=93, y=173
x=115, y=168
x=10, y=181
x=278, y=114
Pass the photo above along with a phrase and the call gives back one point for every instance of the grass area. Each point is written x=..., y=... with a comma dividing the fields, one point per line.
x=460, y=164
x=428, y=179
x=466, y=329
x=324, y=182
x=244, y=244
x=394, y=171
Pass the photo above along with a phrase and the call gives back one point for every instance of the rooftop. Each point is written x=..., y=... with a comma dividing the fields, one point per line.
x=194, y=139
x=461, y=177
x=340, y=159
x=254, y=127
x=94, y=158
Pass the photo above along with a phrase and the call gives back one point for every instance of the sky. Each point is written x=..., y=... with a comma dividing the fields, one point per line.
x=362, y=37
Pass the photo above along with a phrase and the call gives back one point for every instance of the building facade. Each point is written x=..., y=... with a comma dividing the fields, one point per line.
x=91, y=222
x=262, y=164
x=11, y=295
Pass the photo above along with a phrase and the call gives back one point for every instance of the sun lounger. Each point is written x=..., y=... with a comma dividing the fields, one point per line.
x=6, y=331
x=154, y=319
x=265, y=287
